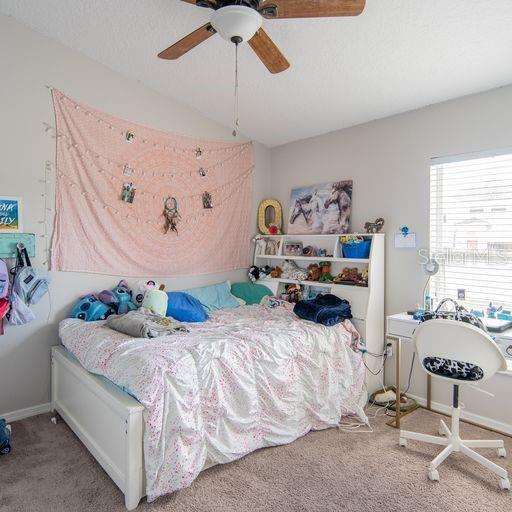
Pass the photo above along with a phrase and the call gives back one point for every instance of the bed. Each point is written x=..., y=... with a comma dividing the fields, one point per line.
x=156, y=412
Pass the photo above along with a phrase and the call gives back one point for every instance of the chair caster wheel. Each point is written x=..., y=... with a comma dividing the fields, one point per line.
x=502, y=452
x=433, y=475
x=6, y=449
x=505, y=484
x=402, y=442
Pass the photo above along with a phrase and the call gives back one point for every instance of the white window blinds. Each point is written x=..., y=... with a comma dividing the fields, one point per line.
x=471, y=228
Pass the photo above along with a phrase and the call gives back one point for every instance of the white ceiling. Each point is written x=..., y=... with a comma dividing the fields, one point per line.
x=397, y=56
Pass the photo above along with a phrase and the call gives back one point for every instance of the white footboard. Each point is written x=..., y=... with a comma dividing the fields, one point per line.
x=107, y=420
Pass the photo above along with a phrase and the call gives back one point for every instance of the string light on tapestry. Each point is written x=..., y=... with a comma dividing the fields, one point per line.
x=131, y=135
x=84, y=152
x=222, y=204
x=128, y=188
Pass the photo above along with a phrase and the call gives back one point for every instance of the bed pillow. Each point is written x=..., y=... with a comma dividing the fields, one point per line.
x=185, y=308
x=251, y=293
x=214, y=297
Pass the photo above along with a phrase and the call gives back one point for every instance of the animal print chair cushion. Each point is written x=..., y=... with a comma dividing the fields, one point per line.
x=453, y=369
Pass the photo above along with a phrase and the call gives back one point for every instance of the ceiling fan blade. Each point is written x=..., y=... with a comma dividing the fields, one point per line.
x=268, y=52
x=310, y=8
x=188, y=42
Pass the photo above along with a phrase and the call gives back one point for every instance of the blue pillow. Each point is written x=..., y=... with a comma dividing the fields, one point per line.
x=214, y=297
x=185, y=308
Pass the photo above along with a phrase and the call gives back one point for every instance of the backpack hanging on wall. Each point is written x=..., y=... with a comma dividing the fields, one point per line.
x=29, y=284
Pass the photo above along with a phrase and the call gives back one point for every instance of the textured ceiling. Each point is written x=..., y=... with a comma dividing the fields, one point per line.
x=398, y=55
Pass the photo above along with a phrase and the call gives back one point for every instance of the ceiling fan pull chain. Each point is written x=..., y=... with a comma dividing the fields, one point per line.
x=235, y=114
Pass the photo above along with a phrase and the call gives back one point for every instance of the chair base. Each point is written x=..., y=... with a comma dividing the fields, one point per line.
x=452, y=442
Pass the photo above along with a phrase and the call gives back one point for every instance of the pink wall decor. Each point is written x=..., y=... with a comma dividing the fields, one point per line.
x=104, y=162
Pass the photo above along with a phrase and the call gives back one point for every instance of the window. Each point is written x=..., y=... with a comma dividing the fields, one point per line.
x=471, y=228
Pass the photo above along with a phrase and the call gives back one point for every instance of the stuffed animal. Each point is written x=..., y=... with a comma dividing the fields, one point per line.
x=276, y=273
x=91, y=309
x=375, y=226
x=292, y=271
x=254, y=273
x=120, y=298
x=348, y=276
x=363, y=278
x=156, y=301
x=266, y=270
x=314, y=271
x=326, y=276
x=294, y=292
x=5, y=437
x=141, y=288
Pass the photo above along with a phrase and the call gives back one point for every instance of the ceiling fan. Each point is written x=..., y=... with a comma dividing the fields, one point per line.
x=240, y=21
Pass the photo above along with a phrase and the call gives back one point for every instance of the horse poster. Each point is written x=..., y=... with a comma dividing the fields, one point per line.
x=318, y=209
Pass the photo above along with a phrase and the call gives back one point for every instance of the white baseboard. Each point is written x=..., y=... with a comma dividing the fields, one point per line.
x=465, y=415
x=27, y=412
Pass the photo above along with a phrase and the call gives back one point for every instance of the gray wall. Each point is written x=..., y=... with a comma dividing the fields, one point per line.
x=388, y=160
x=28, y=62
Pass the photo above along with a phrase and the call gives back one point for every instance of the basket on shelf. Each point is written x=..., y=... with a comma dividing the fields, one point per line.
x=357, y=249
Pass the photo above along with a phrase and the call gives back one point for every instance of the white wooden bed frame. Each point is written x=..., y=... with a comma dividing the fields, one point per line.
x=106, y=419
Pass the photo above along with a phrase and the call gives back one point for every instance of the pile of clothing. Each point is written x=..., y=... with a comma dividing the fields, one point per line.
x=325, y=309
x=143, y=323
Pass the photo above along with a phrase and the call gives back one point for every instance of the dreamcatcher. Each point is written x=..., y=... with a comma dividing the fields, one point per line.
x=171, y=215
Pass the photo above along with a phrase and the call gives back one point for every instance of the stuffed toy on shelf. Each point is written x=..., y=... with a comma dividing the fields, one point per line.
x=326, y=276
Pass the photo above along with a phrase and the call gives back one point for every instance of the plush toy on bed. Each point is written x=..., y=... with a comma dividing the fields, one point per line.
x=156, y=301
x=141, y=288
x=91, y=309
x=120, y=298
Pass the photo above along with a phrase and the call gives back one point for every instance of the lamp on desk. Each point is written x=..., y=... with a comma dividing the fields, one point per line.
x=430, y=268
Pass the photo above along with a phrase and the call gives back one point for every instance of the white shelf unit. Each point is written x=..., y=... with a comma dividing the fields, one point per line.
x=367, y=303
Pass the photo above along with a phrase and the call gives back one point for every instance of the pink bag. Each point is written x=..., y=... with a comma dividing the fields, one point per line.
x=4, y=279
x=5, y=305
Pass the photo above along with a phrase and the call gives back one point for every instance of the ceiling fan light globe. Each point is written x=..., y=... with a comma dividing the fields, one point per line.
x=235, y=22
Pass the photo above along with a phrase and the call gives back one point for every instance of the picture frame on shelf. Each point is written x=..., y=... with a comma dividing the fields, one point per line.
x=271, y=247
x=267, y=247
x=292, y=248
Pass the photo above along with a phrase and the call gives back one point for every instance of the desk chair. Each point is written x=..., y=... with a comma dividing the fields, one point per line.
x=473, y=357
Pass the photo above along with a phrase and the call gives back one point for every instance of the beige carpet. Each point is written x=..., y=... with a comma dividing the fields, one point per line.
x=49, y=470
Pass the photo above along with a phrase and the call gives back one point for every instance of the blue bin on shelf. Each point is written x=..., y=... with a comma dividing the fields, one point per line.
x=356, y=250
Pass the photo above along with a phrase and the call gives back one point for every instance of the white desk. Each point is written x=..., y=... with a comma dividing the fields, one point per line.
x=400, y=327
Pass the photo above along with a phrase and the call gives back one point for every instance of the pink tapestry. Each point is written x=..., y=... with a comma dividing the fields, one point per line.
x=114, y=178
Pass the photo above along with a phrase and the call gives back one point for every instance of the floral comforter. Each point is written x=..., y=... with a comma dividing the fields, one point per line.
x=248, y=378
